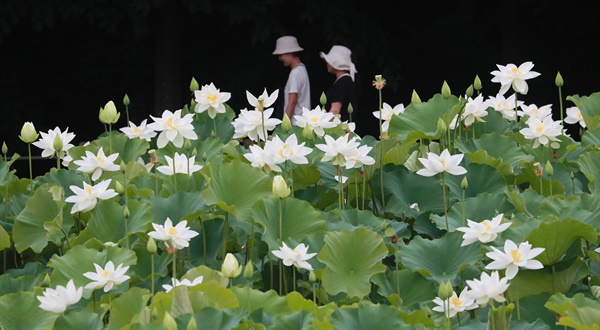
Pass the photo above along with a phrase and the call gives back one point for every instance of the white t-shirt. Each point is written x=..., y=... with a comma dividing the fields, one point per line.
x=297, y=83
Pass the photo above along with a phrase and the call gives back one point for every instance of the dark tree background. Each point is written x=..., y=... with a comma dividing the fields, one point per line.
x=61, y=61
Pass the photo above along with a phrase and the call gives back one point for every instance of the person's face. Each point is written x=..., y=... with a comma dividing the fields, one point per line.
x=286, y=59
x=330, y=69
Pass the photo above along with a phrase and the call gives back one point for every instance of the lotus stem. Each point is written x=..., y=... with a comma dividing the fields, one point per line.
x=356, y=188
x=445, y=201
x=364, y=187
x=215, y=125
x=152, y=272
x=560, y=102
x=294, y=278
x=174, y=270
x=225, y=229
x=204, y=242
x=30, y=170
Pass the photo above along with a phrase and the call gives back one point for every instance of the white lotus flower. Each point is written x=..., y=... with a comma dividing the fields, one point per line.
x=288, y=150
x=148, y=166
x=488, y=287
x=179, y=164
x=296, y=257
x=263, y=101
x=107, y=277
x=574, y=116
x=139, y=132
x=506, y=106
x=485, y=231
x=338, y=150
x=455, y=304
x=386, y=113
x=230, y=267
x=542, y=131
x=360, y=157
x=210, y=98
x=177, y=237
x=340, y=177
x=514, y=257
x=57, y=300
x=445, y=162
x=317, y=120
x=97, y=164
x=46, y=142
x=184, y=282
x=511, y=75
x=533, y=111
x=173, y=127
x=475, y=110
x=254, y=124
x=262, y=158
x=85, y=199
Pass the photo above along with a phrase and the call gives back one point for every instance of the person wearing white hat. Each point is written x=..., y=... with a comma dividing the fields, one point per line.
x=343, y=90
x=297, y=88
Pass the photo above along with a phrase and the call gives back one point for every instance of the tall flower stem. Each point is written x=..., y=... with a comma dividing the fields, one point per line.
x=225, y=233
x=445, y=201
x=152, y=272
x=204, y=242
x=215, y=126
x=560, y=102
x=381, y=150
x=174, y=271
x=340, y=188
x=30, y=170
x=280, y=240
x=356, y=188
x=294, y=277
x=364, y=188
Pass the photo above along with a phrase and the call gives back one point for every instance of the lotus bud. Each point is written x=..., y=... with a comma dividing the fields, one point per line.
x=194, y=85
x=379, y=82
x=323, y=99
x=109, y=114
x=280, y=188
x=559, y=80
x=46, y=281
x=194, y=152
x=119, y=188
x=261, y=104
x=469, y=91
x=549, y=169
x=123, y=167
x=151, y=245
x=312, y=277
x=231, y=267
x=126, y=100
x=286, y=123
x=249, y=270
x=192, y=324
x=477, y=83
x=307, y=133
x=445, y=291
x=441, y=126
x=5, y=147
x=464, y=183
x=204, y=156
x=57, y=144
x=383, y=225
x=415, y=98
x=187, y=144
x=126, y=213
x=350, y=108
x=28, y=133
x=445, y=90
x=572, y=176
x=169, y=322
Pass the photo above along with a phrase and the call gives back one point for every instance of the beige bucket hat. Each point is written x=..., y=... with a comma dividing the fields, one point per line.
x=339, y=58
x=287, y=44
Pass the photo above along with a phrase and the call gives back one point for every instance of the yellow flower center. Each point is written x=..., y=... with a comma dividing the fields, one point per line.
x=516, y=70
x=455, y=301
x=137, y=129
x=314, y=119
x=88, y=190
x=105, y=273
x=212, y=97
x=295, y=251
x=443, y=162
x=172, y=231
x=516, y=255
x=540, y=128
x=487, y=225
x=101, y=160
x=169, y=122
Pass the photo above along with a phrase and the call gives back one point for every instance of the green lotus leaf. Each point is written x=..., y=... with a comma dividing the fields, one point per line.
x=212, y=294
x=340, y=220
x=207, y=274
x=204, y=126
x=557, y=236
x=589, y=164
x=61, y=177
x=143, y=267
x=296, y=302
x=532, y=310
x=212, y=318
x=414, y=288
x=6, y=174
x=294, y=320
x=77, y=320
x=590, y=138
x=352, y=258
x=187, y=203
x=129, y=150
x=494, y=149
x=529, y=178
x=582, y=207
x=367, y=315
x=483, y=206
x=402, y=188
x=4, y=239
x=439, y=259
x=419, y=121
x=480, y=178
x=183, y=182
x=127, y=307
x=9, y=284
x=578, y=312
x=588, y=105
x=252, y=300
x=298, y=218
x=235, y=187
x=21, y=311
x=208, y=151
x=79, y=260
x=533, y=282
x=41, y=221
x=107, y=222
x=305, y=175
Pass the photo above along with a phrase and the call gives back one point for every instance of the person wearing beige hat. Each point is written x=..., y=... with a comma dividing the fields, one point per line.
x=297, y=88
x=343, y=90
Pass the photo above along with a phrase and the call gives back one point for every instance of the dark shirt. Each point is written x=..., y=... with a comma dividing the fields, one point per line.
x=343, y=90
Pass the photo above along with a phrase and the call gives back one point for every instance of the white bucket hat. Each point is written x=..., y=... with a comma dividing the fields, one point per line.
x=339, y=58
x=287, y=44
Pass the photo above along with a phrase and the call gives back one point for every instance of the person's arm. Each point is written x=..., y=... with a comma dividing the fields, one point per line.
x=336, y=107
x=292, y=100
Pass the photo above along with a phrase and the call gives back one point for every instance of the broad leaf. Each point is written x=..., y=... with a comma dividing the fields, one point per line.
x=578, y=312
x=411, y=287
x=367, y=315
x=21, y=311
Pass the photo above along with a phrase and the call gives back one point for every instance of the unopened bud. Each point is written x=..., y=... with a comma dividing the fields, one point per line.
x=477, y=83
x=57, y=144
x=469, y=91
x=187, y=144
x=307, y=133
x=445, y=291
x=46, y=281
x=280, y=188
x=549, y=169
x=249, y=270
x=109, y=114
x=126, y=100
x=119, y=188
x=169, y=322
x=441, y=126
x=445, y=90
x=126, y=213
x=28, y=133
x=350, y=108
x=286, y=123
x=312, y=277
x=151, y=245
x=559, y=80
x=194, y=85
x=464, y=183
x=192, y=325
x=415, y=97
x=323, y=99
